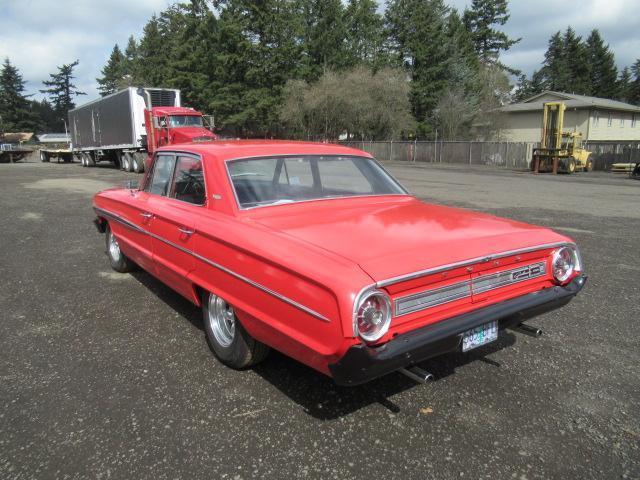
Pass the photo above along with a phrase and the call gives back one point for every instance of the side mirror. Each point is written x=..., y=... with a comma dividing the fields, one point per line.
x=132, y=184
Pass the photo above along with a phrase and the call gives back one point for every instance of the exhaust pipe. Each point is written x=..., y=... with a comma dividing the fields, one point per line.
x=528, y=330
x=417, y=374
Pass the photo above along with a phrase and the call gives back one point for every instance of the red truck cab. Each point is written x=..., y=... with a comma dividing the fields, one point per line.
x=174, y=125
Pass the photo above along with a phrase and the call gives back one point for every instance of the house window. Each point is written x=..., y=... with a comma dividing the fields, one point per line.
x=610, y=120
x=633, y=120
x=596, y=119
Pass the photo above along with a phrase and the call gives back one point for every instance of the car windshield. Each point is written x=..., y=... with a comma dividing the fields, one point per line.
x=177, y=121
x=279, y=180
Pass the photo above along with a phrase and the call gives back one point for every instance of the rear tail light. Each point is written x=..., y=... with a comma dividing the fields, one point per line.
x=372, y=315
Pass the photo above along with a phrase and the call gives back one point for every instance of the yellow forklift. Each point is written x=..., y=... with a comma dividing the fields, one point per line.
x=559, y=151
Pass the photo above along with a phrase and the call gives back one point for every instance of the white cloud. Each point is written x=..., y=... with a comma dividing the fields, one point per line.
x=39, y=35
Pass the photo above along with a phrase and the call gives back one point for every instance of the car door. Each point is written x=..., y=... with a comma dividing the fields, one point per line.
x=133, y=231
x=175, y=209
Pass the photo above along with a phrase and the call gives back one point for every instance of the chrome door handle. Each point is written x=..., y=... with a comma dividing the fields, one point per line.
x=146, y=215
x=186, y=231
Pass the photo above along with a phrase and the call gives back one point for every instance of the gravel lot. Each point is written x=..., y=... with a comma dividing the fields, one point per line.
x=104, y=375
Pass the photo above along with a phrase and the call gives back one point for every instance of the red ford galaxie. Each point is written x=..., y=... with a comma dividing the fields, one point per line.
x=316, y=251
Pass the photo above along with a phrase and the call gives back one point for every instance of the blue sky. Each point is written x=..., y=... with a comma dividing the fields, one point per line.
x=38, y=35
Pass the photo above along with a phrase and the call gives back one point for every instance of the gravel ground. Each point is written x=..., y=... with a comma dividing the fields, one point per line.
x=104, y=375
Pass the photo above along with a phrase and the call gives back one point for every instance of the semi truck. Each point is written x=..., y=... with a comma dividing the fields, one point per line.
x=126, y=127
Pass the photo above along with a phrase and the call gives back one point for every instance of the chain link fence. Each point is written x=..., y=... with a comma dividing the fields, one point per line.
x=516, y=155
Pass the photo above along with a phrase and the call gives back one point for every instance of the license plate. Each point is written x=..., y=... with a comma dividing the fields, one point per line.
x=479, y=336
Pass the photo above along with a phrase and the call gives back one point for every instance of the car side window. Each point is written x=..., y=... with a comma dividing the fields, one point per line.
x=162, y=172
x=188, y=181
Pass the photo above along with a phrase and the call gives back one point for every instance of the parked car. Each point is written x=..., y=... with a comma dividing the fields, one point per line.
x=316, y=251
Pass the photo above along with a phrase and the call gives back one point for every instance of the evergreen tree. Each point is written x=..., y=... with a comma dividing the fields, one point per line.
x=364, y=26
x=604, y=73
x=575, y=57
x=259, y=49
x=409, y=23
x=15, y=112
x=555, y=74
x=151, y=62
x=129, y=65
x=324, y=38
x=634, y=88
x=482, y=20
x=112, y=73
x=624, y=85
x=61, y=91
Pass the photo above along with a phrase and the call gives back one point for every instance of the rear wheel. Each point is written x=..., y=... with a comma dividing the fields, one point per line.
x=126, y=162
x=227, y=337
x=119, y=261
x=588, y=165
x=44, y=156
x=137, y=163
x=88, y=158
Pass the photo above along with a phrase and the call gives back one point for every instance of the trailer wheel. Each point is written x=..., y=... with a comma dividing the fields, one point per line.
x=137, y=163
x=126, y=162
x=90, y=162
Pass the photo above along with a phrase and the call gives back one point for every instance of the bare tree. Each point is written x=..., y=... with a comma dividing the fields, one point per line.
x=357, y=103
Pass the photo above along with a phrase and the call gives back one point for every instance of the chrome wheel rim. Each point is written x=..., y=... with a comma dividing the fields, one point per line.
x=222, y=320
x=114, y=248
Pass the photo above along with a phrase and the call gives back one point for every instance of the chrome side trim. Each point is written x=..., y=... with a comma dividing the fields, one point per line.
x=465, y=263
x=432, y=298
x=273, y=293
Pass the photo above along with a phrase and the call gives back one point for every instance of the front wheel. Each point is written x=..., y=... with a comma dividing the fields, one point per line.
x=228, y=339
x=119, y=261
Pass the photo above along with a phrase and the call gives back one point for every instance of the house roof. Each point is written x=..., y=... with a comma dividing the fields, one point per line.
x=571, y=100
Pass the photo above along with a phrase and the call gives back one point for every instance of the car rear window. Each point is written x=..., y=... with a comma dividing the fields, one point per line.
x=278, y=180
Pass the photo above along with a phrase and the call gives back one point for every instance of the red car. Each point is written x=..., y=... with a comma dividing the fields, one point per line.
x=316, y=251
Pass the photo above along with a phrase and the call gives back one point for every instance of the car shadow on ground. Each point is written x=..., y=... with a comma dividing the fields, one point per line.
x=321, y=398
x=317, y=394
x=177, y=302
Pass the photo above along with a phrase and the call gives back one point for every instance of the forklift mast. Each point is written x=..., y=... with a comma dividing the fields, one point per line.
x=552, y=125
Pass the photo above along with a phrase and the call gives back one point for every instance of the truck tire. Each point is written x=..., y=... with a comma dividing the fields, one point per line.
x=228, y=340
x=137, y=163
x=88, y=158
x=126, y=159
x=44, y=157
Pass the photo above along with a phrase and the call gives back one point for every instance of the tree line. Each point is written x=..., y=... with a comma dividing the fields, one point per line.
x=321, y=68
x=583, y=67
x=324, y=68
x=20, y=113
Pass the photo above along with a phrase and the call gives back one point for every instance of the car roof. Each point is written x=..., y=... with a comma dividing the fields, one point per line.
x=231, y=149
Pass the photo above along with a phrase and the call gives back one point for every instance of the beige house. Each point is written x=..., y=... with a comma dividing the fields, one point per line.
x=600, y=120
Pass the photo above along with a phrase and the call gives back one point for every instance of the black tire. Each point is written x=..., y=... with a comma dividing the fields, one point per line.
x=126, y=162
x=588, y=166
x=44, y=157
x=137, y=163
x=241, y=350
x=119, y=261
x=90, y=161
